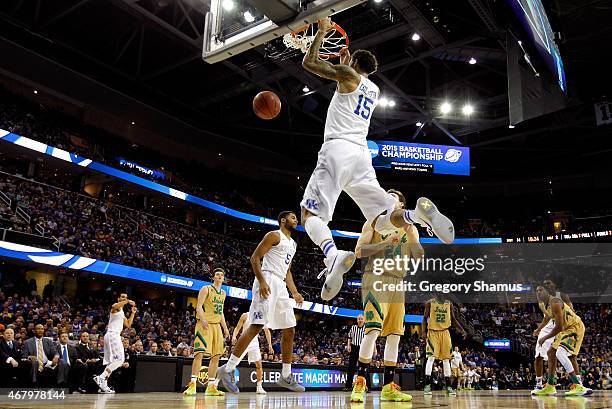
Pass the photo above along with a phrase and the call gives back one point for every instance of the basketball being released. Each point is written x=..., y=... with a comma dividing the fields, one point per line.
x=266, y=105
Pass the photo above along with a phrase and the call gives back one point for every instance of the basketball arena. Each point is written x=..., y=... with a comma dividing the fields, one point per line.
x=305, y=203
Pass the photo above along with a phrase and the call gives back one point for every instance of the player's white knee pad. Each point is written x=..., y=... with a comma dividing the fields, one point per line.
x=429, y=365
x=366, y=350
x=383, y=224
x=563, y=357
x=446, y=367
x=392, y=348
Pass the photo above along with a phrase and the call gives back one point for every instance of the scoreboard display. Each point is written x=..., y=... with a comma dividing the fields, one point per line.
x=416, y=157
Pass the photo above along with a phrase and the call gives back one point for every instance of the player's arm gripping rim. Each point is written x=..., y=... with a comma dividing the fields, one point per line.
x=557, y=310
x=271, y=239
x=293, y=289
x=424, y=321
x=348, y=79
x=202, y=294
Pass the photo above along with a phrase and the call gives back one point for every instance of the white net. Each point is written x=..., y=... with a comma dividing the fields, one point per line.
x=333, y=42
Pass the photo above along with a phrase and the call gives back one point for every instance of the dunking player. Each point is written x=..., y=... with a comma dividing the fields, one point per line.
x=209, y=340
x=271, y=305
x=568, y=335
x=254, y=354
x=345, y=164
x=114, y=355
x=439, y=313
x=384, y=310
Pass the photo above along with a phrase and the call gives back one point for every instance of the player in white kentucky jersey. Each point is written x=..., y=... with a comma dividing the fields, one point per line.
x=114, y=354
x=271, y=305
x=345, y=164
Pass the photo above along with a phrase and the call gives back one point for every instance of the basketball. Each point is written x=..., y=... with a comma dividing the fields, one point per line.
x=266, y=105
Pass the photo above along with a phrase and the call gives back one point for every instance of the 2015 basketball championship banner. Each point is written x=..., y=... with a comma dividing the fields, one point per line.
x=417, y=157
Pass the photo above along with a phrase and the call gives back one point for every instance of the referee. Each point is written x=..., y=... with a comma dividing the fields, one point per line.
x=355, y=336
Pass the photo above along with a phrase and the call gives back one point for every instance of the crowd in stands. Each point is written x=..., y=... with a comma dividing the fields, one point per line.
x=105, y=231
x=161, y=327
x=56, y=129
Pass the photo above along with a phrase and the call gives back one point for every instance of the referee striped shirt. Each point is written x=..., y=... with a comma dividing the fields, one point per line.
x=356, y=334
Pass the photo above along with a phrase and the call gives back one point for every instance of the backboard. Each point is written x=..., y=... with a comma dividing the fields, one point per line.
x=234, y=26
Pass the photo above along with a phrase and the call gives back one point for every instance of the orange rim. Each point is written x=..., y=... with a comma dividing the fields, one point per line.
x=337, y=27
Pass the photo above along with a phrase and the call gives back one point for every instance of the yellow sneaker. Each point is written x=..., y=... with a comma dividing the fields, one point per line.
x=547, y=390
x=359, y=388
x=392, y=392
x=211, y=390
x=576, y=390
x=191, y=389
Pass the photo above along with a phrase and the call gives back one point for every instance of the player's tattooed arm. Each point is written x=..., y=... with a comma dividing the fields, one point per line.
x=343, y=74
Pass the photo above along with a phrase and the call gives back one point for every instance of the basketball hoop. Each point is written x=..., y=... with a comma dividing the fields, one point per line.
x=335, y=40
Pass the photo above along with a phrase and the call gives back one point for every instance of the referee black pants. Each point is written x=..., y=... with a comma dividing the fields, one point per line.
x=352, y=368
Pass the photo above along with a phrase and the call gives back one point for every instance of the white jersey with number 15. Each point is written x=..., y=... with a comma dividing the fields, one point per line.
x=349, y=114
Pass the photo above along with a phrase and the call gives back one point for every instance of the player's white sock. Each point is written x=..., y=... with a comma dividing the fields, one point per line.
x=194, y=378
x=391, y=348
x=286, y=370
x=446, y=368
x=429, y=365
x=232, y=363
x=217, y=381
x=409, y=216
x=538, y=381
x=212, y=382
x=321, y=235
x=368, y=344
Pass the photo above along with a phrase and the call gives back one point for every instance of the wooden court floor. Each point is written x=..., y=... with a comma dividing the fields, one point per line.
x=320, y=400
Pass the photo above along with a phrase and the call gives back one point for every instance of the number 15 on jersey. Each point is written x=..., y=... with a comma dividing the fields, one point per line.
x=364, y=108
